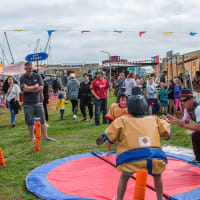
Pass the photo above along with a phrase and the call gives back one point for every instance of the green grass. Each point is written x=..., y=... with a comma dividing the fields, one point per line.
x=12, y=177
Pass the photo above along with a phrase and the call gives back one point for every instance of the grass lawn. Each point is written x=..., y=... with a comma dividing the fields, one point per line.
x=12, y=177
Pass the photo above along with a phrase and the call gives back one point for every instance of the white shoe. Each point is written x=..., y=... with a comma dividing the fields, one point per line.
x=74, y=117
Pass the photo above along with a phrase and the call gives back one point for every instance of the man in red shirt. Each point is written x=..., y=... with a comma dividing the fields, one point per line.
x=100, y=88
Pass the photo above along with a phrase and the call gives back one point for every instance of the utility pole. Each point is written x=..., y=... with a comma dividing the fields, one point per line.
x=109, y=64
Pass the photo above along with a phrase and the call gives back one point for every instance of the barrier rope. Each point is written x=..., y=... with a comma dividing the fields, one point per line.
x=16, y=146
x=18, y=155
x=9, y=198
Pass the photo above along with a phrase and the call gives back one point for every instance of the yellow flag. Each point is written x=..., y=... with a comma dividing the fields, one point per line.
x=168, y=33
x=1, y=67
x=18, y=30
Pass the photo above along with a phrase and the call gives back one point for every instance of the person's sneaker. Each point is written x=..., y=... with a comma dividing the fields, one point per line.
x=91, y=120
x=74, y=117
x=97, y=124
x=84, y=119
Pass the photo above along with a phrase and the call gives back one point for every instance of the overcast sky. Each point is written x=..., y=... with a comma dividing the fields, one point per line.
x=102, y=17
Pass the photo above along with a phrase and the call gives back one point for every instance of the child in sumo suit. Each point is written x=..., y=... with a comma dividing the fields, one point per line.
x=117, y=110
x=138, y=147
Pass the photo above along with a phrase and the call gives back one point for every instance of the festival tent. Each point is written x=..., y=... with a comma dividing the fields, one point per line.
x=15, y=69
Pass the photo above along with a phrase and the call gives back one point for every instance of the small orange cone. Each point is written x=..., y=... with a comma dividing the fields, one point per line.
x=2, y=162
x=140, y=185
x=38, y=134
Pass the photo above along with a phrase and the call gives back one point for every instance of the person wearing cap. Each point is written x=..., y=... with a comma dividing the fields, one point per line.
x=117, y=110
x=56, y=85
x=72, y=90
x=138, y=146
x=191, y=112
x=100, y=89
x=32, y=85
x=61, y=105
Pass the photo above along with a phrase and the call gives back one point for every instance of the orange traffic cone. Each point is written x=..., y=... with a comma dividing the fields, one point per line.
x=38, y=134
x=140, y=185
x=2, y=162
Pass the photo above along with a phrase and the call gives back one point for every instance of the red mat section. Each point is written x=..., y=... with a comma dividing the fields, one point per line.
x=91, y=177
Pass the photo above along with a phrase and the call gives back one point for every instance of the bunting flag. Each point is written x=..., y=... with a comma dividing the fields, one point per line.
x=120, y=32
x=141, y=33
x=1, y=68
x=155, y=60
x=168, y=33
x=82, y=32
x=18, y=30
x=50, y=32
x=192, y=34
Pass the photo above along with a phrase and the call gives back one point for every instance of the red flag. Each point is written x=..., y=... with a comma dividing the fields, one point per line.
x=85, y=32
x=141, y=33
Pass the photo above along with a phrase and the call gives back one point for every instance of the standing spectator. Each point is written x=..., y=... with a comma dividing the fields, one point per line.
x=32, y=85
x=151, y=95
x=177, y=93
x=171, y=96
x=45, y=98
x=72, y=90
x=196, y=86
x=85, y=97
x=64, y=79
x=163, y=96
x=130, y=83
x=100, y=88
x=55, y=85
x=119, y=83
x=1, y=93
x=11, y=93
x=162, y=78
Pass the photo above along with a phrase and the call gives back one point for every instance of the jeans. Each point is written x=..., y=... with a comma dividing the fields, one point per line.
x=12, y=112
x=100, y=104
x=62, y=113
x=196, y=144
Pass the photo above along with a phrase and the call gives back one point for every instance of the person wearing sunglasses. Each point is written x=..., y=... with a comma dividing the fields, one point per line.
x=191, y=112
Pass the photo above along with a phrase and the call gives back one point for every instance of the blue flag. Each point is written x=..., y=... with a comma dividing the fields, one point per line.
x=192, y=34
x=50, y=32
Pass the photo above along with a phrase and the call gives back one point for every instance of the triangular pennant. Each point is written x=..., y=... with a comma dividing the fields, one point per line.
x=50, y=32
x=141, y=33
x=168, y=33
x=85, y=32
x=18, y=30
x=116, y=31
x=192, y=34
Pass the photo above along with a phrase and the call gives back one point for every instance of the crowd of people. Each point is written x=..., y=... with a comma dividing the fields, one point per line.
x=136, y=97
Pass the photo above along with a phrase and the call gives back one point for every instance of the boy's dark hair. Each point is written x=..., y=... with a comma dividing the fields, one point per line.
x=165, y=86
x=28, y=63
x=164, y=72
x=85, y=74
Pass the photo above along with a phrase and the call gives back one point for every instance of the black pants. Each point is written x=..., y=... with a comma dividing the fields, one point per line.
x=45, y=111
x=196, y=144
x=74, y=106
x=85, y=101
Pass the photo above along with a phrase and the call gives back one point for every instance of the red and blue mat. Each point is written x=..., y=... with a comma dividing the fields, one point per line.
x=90, y=176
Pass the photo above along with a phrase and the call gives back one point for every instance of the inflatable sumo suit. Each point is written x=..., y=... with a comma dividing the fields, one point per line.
x=138, y=138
